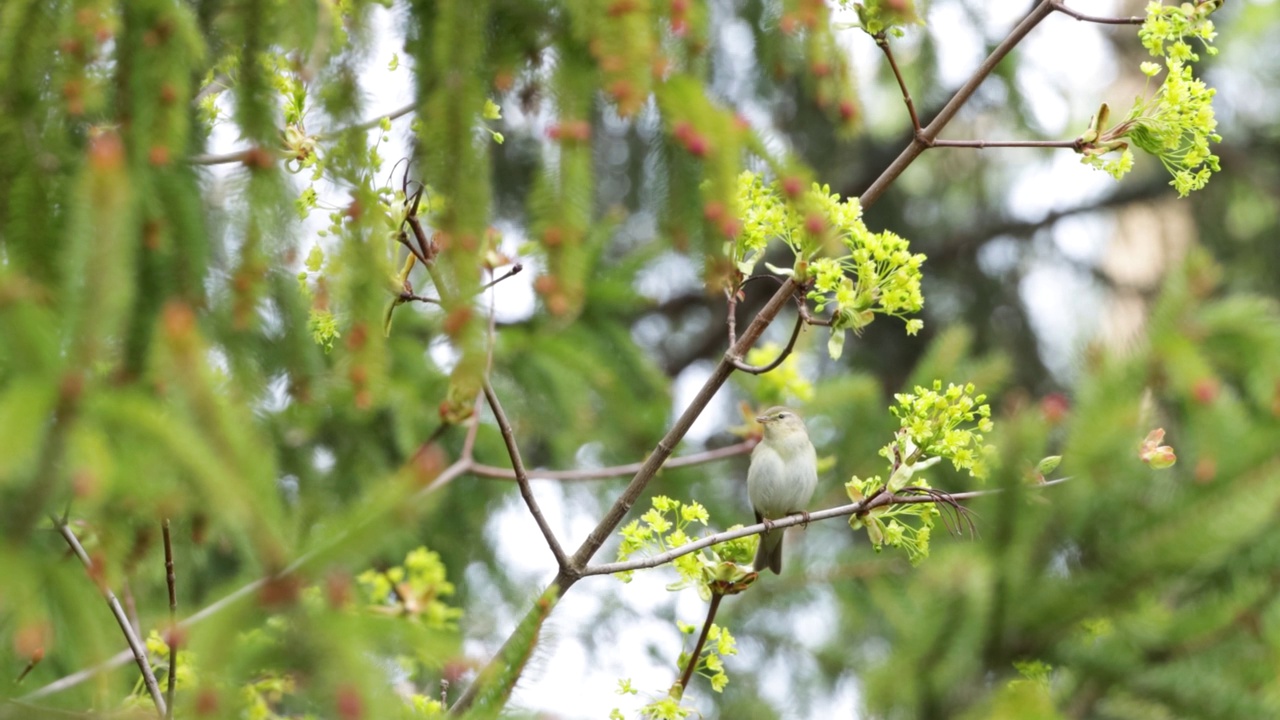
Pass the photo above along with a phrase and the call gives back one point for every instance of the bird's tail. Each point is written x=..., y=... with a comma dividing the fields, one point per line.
x=769, y=554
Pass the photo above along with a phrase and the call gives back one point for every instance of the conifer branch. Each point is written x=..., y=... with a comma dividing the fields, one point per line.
x=458, y=468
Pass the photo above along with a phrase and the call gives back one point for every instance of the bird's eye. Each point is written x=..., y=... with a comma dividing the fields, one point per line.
x=783, y=415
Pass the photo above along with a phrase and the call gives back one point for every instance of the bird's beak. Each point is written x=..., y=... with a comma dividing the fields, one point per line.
x=762, y=419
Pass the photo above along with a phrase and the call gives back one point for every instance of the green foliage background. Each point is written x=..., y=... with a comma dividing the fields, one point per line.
x=158, y=359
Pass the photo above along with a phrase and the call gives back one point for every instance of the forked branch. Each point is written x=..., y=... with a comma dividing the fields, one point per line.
x=135, y=645
x=522, y=477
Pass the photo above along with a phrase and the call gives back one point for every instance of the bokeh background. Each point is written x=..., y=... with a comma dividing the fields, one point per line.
x=1090, y=312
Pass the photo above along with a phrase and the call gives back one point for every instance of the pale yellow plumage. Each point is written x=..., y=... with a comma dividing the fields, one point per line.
x=781, y=479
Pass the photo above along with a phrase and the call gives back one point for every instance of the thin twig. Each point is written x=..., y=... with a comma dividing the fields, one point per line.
x=469, y=442
x=687, y=676
x=171, y=640
x=811, y=319
x=458, y=468
x=882, y=41
x=731, y=302
x=370, y=123
x=411, y=297
x=240, y=155
x=135, y=645
x=948, y=112
x=981, y=144
x=407, y=296
x=1062, y=8
x=515, y=269
x=742, y=448
x=522, y=478
x=220, y=158
x=216, y=85
x=786, y=351
x=865, y=505
x=732, y=317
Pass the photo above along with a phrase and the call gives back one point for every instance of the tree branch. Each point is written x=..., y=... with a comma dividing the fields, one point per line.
x=522, y=478
x=883, y=499
x=171, y=636
x=515, y=270
x=667, y=445
x=786, y=351
x=982, y=144
x=222, y=158
x=240, y=155
x=687, y=676
x=948, y=112
x=136, y=647
x=1061, y=7
x=882, y=41
x=742, y=448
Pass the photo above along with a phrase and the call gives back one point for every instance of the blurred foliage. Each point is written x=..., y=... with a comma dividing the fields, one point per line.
x=180, y=340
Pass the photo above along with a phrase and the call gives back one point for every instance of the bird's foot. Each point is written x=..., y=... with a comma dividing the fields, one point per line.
x=805, y=523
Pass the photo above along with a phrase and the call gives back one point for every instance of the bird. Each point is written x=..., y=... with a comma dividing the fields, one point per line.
x=781, y=478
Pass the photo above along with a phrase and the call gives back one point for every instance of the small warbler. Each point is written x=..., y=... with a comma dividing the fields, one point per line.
x=781, y=479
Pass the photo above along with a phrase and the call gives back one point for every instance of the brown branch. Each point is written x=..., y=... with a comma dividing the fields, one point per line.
x=1059, y=6
x=732, y=321
x=786, y=351
x=882, y=499
x=572, y=571
x=811, y=319
x=882, y=41
x=948, y=112
x=223, y=158
x=687, y=676
x=981, y=144
x=171, y=639
x=515, y=269
x=522, y=478
x=136, y=647
x=668, y=443
x=370, y=123
x=742, y=448
x=411, y=297
x=407, y=296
